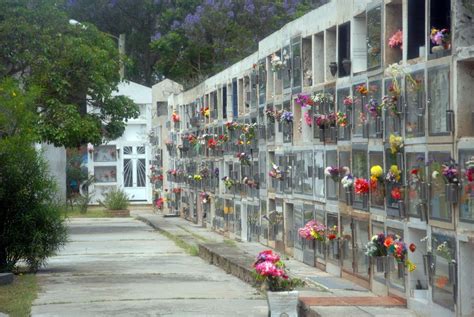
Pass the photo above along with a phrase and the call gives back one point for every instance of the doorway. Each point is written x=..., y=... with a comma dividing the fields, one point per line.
x=134, y=172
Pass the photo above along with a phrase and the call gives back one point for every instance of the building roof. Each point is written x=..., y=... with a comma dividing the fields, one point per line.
x=138, y=93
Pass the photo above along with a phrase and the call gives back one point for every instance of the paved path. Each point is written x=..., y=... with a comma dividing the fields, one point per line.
x=121, y=267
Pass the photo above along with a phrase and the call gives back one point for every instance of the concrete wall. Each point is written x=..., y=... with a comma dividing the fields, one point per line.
x=56, y=159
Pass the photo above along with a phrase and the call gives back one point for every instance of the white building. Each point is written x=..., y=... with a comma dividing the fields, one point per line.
x=124, y=162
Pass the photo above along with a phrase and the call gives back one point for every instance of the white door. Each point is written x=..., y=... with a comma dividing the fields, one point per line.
x=134, y=171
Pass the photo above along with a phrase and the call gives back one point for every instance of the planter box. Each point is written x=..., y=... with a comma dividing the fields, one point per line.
x=283, y=303
x=118, y=213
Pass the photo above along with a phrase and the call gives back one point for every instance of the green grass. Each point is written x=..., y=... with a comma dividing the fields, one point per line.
x=188, y=248
x=92, y=212
x=16, y=298
x=230, y=243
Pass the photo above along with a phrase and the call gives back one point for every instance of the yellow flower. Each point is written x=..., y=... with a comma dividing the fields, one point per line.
x=396, y=142
x=207, y=113
x=376, y=171
x=410, y=265
x=13, y=94
x=395, y=171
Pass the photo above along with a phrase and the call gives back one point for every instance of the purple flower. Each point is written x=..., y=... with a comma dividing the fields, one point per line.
x=249, y=6
x=156, y=37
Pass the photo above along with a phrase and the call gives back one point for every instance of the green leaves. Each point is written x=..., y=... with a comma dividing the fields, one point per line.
x=65, y=71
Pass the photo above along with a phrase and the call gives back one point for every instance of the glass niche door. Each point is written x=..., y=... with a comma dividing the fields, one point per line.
x=134, y=172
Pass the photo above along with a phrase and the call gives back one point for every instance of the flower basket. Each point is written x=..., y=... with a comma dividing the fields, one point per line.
x=283, y=303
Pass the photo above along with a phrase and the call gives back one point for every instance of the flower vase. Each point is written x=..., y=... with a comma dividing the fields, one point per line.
x=400, y=270
x=322, y=136
x=380, y=262
x=401, y=209
x=378, y=126
x=423, y=191
x=335, y=247
x=365, y=200
x=283, y=303
x=333, y=134
x=349, y=197
x=451, y=192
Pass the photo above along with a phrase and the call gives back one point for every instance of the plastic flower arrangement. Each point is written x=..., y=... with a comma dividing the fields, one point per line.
x=231, y=125
x=197, y=177
x=348, y=102
x=362, y=89
x=376, y=247
x=393, y=175
x=341, y=119
x=450, y=172
x=398, y=249
x=329, y=120
x=228, y=182
x=205, y=112
x=250, y=182
x=347, y=181
x=205, y=198
x=313, y=230
x=374, y=108
x=212, y=143
x=223, y=138
x=304, y=100
x=308, y=118
x=469, y=174
x=333, y=172
x=287, y=116
x=244, y=158
x=396, y=193
x=396, y=40
x=332, y=233
x=269, y=269
x=192, y=139
x=277, y=63
x=275, y=172
x=323, y=97
x=376, y=176
x=361, y=186
x=396, y=143
x=160, y=202
x=440, y=37
x=177, y=190
x=175, y=117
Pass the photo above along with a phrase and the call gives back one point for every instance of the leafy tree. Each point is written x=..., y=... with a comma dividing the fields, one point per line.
x=188, y=40
x=31, y=228
x=69, y=67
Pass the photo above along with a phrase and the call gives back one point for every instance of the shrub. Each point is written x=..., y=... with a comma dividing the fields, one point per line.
x=116, y=199
x=31, y=226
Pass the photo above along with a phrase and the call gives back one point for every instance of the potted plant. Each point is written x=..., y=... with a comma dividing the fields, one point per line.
x=116, y=201
x=281, y=296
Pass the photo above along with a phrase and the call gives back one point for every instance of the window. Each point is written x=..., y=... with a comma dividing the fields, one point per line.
x=347, y=247
x=262, y=82
x=377, y=195
x=344, y=132
x=444, y=248
x=359, y=170
x=262, y=158
x=359, y=115
x=344, y=46
x=307, y=64
x=439, y=208
x=374, y=37
x=416, y=29
x=361, y=231
x=296, y=64
x=299, y=173
x=107, y=174
x=105, y=153
x=161, y=108
x=331, y=184
x=415, y=111
x=396, y=271
x=438, y=98
x=416, y=179
x=440, y=18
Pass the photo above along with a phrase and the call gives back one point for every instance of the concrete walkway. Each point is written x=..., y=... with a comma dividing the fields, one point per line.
x=122, y=267
x=325, y=295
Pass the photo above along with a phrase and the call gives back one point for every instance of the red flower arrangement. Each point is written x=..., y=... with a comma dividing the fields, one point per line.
x=362, y=89
x=175, y=117
x=361, y=186
x=396, y=193
x=212, y=143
